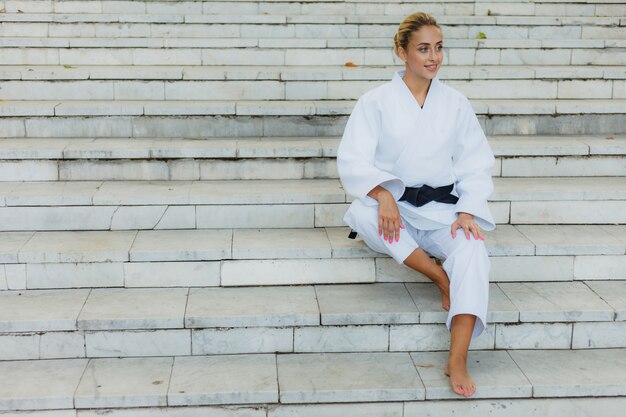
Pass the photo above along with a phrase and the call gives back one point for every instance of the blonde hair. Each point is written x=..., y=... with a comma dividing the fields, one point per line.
x=411, y=23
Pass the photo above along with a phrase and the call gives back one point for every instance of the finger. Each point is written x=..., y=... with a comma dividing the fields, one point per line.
x=453, y=229
x=398, y=231
x=383, y=226
x=380, y=226
x=479, y=233
x=467, y=231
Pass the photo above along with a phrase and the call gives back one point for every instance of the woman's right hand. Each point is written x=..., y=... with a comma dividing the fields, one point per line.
x=389, y=220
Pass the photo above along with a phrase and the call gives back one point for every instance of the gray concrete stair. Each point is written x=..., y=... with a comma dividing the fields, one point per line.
x=276, y=158
x=123, y=205
x=366, y=317
x=243, y=257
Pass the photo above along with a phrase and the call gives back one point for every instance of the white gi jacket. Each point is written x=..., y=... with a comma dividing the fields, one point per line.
x=391, y=141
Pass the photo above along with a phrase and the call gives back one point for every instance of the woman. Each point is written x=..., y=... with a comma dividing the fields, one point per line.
x=416, y=159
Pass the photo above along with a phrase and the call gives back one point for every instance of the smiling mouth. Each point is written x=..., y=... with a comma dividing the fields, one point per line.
x=431, y=67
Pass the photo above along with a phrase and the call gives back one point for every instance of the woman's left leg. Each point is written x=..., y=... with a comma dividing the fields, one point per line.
x=467, y=266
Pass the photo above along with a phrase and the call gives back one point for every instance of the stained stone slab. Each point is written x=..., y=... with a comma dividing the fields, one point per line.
x=53, y=193
x=279, y=148
x=428, y=337
x=554, y=407
x=534, y=336
x=428, y=300
x=599, y=335
x=124, y=382
x=343, y=247
x=574, y=373
x=531, y=268
x=5, y=189
x=53, y=247
x=506, y=240
x=618, y=231
x=386, y=409
x=600, y=267
x=606, y=145
x=143, y=193
x=224, y=379
x=24, y=311
x=181, y=245
x=252, y=307
x=267, y=192
x=171, y=274
x=494, y=372
x=537, y=146
x=42, y=384
x=138, y=343
x=613, y=293
x=551, y=189
x=388, y=270
x=348, y=377
x=377, y=303
x=75, y=275
x=135, y=308
x=11, y=243
x=243, y=340
x=109, y=149
x=341, y=338
x=296, y=271
x=557, y=301
x=572, y=240
x=280, y=243
x=32, y=148
x=188, y=411
x=194, y=148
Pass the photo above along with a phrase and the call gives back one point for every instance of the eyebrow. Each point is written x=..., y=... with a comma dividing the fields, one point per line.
x=426, y=43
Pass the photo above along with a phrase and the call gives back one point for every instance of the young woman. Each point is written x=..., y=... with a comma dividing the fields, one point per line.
x=416, y=159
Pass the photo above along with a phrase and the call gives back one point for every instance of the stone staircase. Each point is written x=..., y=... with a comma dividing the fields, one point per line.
x=171, y=239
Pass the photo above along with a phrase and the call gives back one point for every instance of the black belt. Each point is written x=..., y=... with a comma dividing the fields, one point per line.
x=419, y=196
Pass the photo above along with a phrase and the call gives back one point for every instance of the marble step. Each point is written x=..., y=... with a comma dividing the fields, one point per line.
x=276, y=158
x=198, y=119
x=61, y=93
x=130, y=205
x=333, y=8
x=610, y=41
x=140, y=114
x=83, y=323
x=124, y=205
x=367, y=383
x=288, y=20
x=466, y=52
x=308, y=73
x=240, y=257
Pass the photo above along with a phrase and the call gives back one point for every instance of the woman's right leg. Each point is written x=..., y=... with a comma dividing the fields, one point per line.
x=364, y=220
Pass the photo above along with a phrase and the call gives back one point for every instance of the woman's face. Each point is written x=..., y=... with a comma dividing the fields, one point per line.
x=424, y=53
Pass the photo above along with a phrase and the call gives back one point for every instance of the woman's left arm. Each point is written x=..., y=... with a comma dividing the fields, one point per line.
x=473, y=163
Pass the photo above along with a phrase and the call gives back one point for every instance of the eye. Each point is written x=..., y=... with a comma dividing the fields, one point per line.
x=423, y=50
x=439, y=47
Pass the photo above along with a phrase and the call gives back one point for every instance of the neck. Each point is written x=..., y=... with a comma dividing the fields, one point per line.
x=417, y=86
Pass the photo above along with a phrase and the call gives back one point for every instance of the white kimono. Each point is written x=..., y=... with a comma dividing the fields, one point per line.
x=391, y=141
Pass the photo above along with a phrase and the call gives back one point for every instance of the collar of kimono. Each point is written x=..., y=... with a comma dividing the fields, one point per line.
x=404, y=92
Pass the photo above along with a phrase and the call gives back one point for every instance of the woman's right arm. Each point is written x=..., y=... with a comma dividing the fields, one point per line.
x=389, y=220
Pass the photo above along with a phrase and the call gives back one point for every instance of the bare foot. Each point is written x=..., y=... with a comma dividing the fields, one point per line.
x=460, y=381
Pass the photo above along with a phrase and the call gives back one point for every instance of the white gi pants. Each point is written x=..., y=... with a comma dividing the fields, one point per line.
x=466, y=261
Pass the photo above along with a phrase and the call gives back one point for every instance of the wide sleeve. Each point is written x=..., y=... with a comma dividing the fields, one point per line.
x=473, y=164
x=356, y=155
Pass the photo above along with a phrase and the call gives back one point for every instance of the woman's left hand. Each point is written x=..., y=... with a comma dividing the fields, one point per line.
x=466, y=222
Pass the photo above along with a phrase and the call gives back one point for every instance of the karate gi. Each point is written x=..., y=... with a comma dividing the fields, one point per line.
x=391, y=141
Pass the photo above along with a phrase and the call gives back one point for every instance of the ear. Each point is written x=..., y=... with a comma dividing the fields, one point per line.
x=402, y=53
